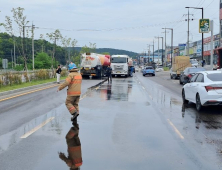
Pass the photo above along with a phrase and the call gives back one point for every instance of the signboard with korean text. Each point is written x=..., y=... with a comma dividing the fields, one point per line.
x=204, y=25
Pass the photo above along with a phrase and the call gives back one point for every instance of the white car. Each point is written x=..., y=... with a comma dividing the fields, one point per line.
x=204, y=89
x=136, y=69
x=159, y=68
x=194, y=62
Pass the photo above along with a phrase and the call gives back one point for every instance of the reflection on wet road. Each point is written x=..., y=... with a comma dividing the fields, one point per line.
x=74, y=158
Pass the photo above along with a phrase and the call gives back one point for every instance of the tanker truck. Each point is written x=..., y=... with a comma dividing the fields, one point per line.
x=94, y=65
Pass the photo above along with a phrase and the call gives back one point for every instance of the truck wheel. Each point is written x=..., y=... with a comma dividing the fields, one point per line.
x=153, y=74
x=144, y=75
x=171, y=76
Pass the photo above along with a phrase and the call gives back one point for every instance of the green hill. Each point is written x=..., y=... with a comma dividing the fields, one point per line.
x=112, y=51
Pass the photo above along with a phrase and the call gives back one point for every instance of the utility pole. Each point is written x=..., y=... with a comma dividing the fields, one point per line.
x=23, y=48
x=165, y=58
x=188, y=32
x=149, y=54
x=33, y=52
x=211, y=44
x=12, y=58
x=14, y=52
x=158, y=49
x=171, y=43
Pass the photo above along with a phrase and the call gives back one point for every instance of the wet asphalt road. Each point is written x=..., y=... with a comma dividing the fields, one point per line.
x=133, y=123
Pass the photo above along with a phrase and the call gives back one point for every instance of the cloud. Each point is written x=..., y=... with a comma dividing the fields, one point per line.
x=128, y=19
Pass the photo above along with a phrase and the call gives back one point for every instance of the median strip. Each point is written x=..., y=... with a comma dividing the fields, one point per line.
x=37, y=128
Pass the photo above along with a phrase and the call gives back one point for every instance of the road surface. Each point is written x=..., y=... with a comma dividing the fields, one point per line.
x=131, y=123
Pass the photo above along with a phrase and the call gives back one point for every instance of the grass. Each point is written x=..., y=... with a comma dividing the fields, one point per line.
x=13, y=87
x=166, y=68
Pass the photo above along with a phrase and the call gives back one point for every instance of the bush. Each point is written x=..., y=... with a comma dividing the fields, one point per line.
x=64, y=73
x=19, y=67
x=42, y=74
x=9, y=78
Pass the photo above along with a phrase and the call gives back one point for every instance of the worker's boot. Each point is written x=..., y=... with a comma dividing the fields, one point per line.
x=74, y=116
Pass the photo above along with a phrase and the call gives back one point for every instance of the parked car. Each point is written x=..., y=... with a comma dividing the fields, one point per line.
x=148, y=70
x=204, y=89
x=159, y=68
x=188, y=73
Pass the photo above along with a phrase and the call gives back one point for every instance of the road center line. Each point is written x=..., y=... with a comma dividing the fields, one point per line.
x=27, y=93
x=176, y=130
x=37, y=128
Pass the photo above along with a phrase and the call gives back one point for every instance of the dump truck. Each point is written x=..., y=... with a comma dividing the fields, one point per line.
x=93, y=64
x=179, y=63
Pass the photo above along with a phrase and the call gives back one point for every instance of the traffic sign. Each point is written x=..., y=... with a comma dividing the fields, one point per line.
x=204, y=25
x=5, y=63
x=182, y=45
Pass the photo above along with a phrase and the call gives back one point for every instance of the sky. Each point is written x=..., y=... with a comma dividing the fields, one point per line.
x=121, y=24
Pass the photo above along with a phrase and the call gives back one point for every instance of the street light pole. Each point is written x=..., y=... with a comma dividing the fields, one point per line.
x=202, y=33
x=153, y=50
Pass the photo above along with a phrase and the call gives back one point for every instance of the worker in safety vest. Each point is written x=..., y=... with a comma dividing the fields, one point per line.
x=73, y=81
x=74, y=159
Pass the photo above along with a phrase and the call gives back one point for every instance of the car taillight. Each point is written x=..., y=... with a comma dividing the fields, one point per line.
x=208, y=88
x=189, y=76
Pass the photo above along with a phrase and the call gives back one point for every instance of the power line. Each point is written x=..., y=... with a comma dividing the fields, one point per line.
x=116, y=29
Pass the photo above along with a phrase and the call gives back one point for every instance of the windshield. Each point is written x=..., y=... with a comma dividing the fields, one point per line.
x=118, y=60
x=215, y=76
x=149, y=68
x=193, y=61
x=194, y=70
x=86, y=62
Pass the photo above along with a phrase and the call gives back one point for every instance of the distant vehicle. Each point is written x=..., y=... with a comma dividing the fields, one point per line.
x=218, y=63
x=148, y=70
x=136, y=69
x=120, y=65
x=94, y=64
x=204, y=89
x=179, y=64
x=159, y=68
x=188, y=73
x=194, y=63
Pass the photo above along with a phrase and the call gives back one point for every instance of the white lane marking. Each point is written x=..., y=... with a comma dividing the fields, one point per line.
x=176, y=130
x=143, y=87
x=37, y=127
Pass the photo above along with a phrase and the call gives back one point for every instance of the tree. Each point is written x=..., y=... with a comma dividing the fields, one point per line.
x=20, y=21
x=66, y=42
x=53, y=37
x=92, y=47
x=42, y=61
